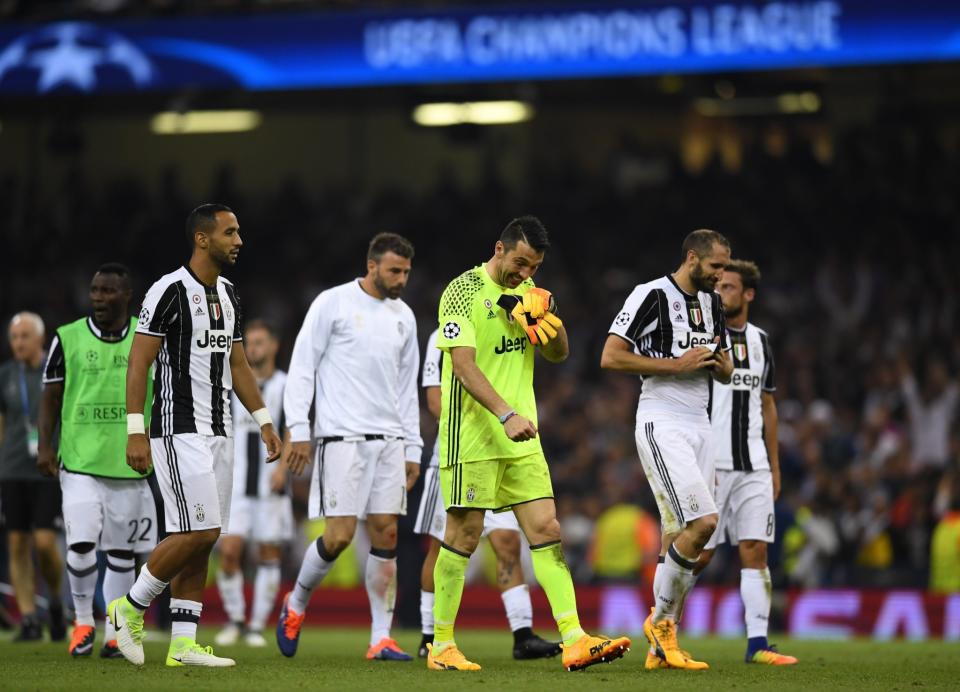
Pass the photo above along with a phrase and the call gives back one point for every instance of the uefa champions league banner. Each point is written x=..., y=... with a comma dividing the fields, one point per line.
x=355, y=49
x=813, y=614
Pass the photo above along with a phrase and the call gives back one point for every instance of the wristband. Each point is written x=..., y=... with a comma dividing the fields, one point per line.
x=507, y=416
x=262, y=416
x=135, y=424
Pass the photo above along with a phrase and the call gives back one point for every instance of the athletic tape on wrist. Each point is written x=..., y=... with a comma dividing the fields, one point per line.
x=135, y=424
x=262, y=416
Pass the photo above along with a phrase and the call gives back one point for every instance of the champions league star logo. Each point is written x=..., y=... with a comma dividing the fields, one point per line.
x=73, y=55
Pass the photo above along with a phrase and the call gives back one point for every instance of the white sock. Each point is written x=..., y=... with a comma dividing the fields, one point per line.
x=313, y=569
x=231, y=593
x=381, y=581
x=426, y=612
x=146, y=588
x=658, y=578
x=264, y=594
x=184, y=618
x=683, y=601
x=755, y=589
x=117, y=580
x=516, y=602
x=675, y=582
x=82, y=571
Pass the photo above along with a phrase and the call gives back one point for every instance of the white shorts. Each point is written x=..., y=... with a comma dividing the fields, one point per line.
x=262, y=519
x=195, y=475
x=432, y=517
x=112, y=514
x=677, y=459
x=357, y=478
x=745, y=500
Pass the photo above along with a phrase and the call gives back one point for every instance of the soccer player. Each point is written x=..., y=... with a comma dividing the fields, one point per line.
x=501, y=529
x=107, y=505
x=492, y=319
x=30, y=502
x=190, y=324
x=261, y=510
x=743, y=415
x=356, y=359
x=671, y=332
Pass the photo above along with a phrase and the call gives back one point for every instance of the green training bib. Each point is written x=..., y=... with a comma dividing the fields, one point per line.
x=93, y=428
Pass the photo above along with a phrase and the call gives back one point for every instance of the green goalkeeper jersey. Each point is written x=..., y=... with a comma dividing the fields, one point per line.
x=469, y=316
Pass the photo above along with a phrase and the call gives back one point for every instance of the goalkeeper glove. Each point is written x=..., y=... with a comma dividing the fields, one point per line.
x=538, y=331
x=541, y=331
x=537, y=301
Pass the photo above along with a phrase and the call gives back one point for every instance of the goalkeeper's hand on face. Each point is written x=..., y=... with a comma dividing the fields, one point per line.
x=536, y=313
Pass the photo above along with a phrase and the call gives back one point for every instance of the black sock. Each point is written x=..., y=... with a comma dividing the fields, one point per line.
x=521, y=635
x=427, y=639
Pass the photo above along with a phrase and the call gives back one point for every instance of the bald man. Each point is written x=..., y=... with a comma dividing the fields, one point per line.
x=30, y=503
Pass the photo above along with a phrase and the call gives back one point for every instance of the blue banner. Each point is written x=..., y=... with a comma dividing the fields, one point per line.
x=277, y=52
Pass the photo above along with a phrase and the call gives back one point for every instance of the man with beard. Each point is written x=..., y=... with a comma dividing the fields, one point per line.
x=190, y=324
x=671, y=332
x=493, y=320
x=356, y=359
x=744, y=419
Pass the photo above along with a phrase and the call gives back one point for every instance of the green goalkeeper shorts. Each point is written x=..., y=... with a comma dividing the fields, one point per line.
x=496, y=484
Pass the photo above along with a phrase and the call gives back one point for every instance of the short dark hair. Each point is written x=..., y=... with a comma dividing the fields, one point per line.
x=527, y=228
x=268, y=327
x=117, y=269
x=701, y=242
x=749, y=272
x=383, y=243
x=203, y=218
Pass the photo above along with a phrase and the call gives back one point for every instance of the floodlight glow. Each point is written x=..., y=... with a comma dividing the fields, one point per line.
x=204, y=122
x=472, y=113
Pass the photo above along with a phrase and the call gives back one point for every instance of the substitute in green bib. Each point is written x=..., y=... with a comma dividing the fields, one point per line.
x=492, y=321
x=106, y=504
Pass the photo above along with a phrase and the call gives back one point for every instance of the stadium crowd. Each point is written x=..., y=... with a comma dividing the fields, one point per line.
x=858, y=294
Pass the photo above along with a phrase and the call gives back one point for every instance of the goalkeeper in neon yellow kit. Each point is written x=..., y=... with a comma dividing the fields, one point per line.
x=492, y=319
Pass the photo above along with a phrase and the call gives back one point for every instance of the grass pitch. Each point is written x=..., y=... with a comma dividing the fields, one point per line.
x=332, y=659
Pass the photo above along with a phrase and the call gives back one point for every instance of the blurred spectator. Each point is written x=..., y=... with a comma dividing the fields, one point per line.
x=945, y=547
x=626, y=543
x=931, y=411
x=30, y=502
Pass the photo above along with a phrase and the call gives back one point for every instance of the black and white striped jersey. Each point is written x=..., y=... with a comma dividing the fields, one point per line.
x=251, y=474
x=735, y=409
x=192, y=381
x=661, y=320
x=430, y=377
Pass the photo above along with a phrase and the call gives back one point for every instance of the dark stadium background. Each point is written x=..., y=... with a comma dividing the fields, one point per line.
x=851, y=212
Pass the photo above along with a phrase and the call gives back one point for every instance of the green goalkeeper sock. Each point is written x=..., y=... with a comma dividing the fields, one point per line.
x=554, y=576
x=448, y=578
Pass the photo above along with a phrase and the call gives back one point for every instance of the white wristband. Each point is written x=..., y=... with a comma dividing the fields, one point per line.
x=135, y=424
x=262, y=416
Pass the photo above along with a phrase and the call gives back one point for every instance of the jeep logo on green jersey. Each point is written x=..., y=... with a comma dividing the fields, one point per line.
x=508, y=345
